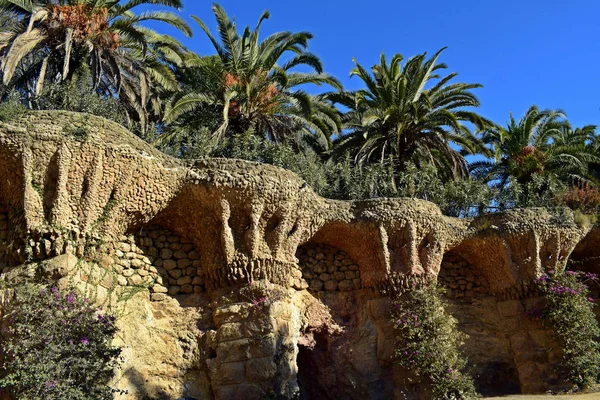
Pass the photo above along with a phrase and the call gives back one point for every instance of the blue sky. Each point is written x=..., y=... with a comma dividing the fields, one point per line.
x=543, y=52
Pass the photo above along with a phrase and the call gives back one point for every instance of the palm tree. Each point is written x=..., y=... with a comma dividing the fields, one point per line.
x=409, y=113
x=51, y=37
x=256, y=92
x=540, y=143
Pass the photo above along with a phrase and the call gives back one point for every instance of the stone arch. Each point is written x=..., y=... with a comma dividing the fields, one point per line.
x=462, y=279
x=360, y=243
x=345, y=250
x=488, y=346
x=586, y=255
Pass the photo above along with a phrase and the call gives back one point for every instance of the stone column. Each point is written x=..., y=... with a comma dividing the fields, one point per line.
x=255, y=344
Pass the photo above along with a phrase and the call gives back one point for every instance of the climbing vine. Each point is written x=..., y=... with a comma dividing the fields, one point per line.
x=427, y=338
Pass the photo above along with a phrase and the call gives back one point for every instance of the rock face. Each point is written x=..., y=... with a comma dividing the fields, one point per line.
x=234, y=280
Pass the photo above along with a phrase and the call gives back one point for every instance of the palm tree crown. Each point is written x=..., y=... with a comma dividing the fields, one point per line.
x=258, y=93
x=52, y=37
x=410, y=113
x=540, y=143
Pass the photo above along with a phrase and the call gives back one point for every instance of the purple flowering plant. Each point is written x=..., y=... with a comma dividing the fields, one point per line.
x=569, y=311
x=428, y=341
x=56, y=345
x=260, y=294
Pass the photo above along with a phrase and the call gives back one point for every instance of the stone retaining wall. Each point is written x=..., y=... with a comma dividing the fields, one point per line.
x=461, y=279
x=160, y=260
x=327, y=268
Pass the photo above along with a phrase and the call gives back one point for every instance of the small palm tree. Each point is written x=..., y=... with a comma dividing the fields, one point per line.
x=256, y=92
x=540, y=143
x=409, y=113
x=52, y=37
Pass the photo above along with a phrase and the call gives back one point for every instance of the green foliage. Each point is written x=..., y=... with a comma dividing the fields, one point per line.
x=569, y=311
x=78, y=94
x=258, y=88
x=410, y=112
x=57, y=346
x=540, y=191
x=540, y=144
x=461, y=198
x=79, y=132
x=584, y=221
x=49, y=40
x=428, y=340
x=11, y=107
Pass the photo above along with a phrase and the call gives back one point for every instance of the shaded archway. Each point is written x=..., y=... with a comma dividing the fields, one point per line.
x=488, y=346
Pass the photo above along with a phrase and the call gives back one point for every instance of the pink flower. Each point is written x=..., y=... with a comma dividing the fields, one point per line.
x=71, y=298
x=51, y=384
x=590, y=299
x=85, y=341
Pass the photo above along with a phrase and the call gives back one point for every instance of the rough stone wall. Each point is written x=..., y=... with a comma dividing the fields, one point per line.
x=255, y=347
x=461, y=279
x=509, y=348
x=7, y=258
x=234, y=280
x=161, y=260
x=326, y=268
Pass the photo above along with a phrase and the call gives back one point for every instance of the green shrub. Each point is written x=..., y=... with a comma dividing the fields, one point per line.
x=11, y=107
x=569, y=311
x=584, y=221
x=542, y=191
x=57, y=346
x=78, y=94
x=428, y=340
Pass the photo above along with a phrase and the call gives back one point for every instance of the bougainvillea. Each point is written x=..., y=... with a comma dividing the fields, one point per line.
x=56, y=345
x=428, y=341
x=569, y=311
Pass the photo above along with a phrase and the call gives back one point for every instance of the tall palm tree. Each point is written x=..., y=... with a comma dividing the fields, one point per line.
x=410, y=113
x=51, y=37
x=540, y=143
x=256, y=92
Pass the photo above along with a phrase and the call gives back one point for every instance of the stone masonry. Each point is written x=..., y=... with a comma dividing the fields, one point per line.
x=234, y=280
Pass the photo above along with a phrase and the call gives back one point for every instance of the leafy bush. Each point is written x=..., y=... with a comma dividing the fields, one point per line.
x=342, y=179
x=583, y=197
x=78, y=94
x=11, y=107
x=569, y=310
x=428, y=340
x=57, y=346
x=542, y=191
